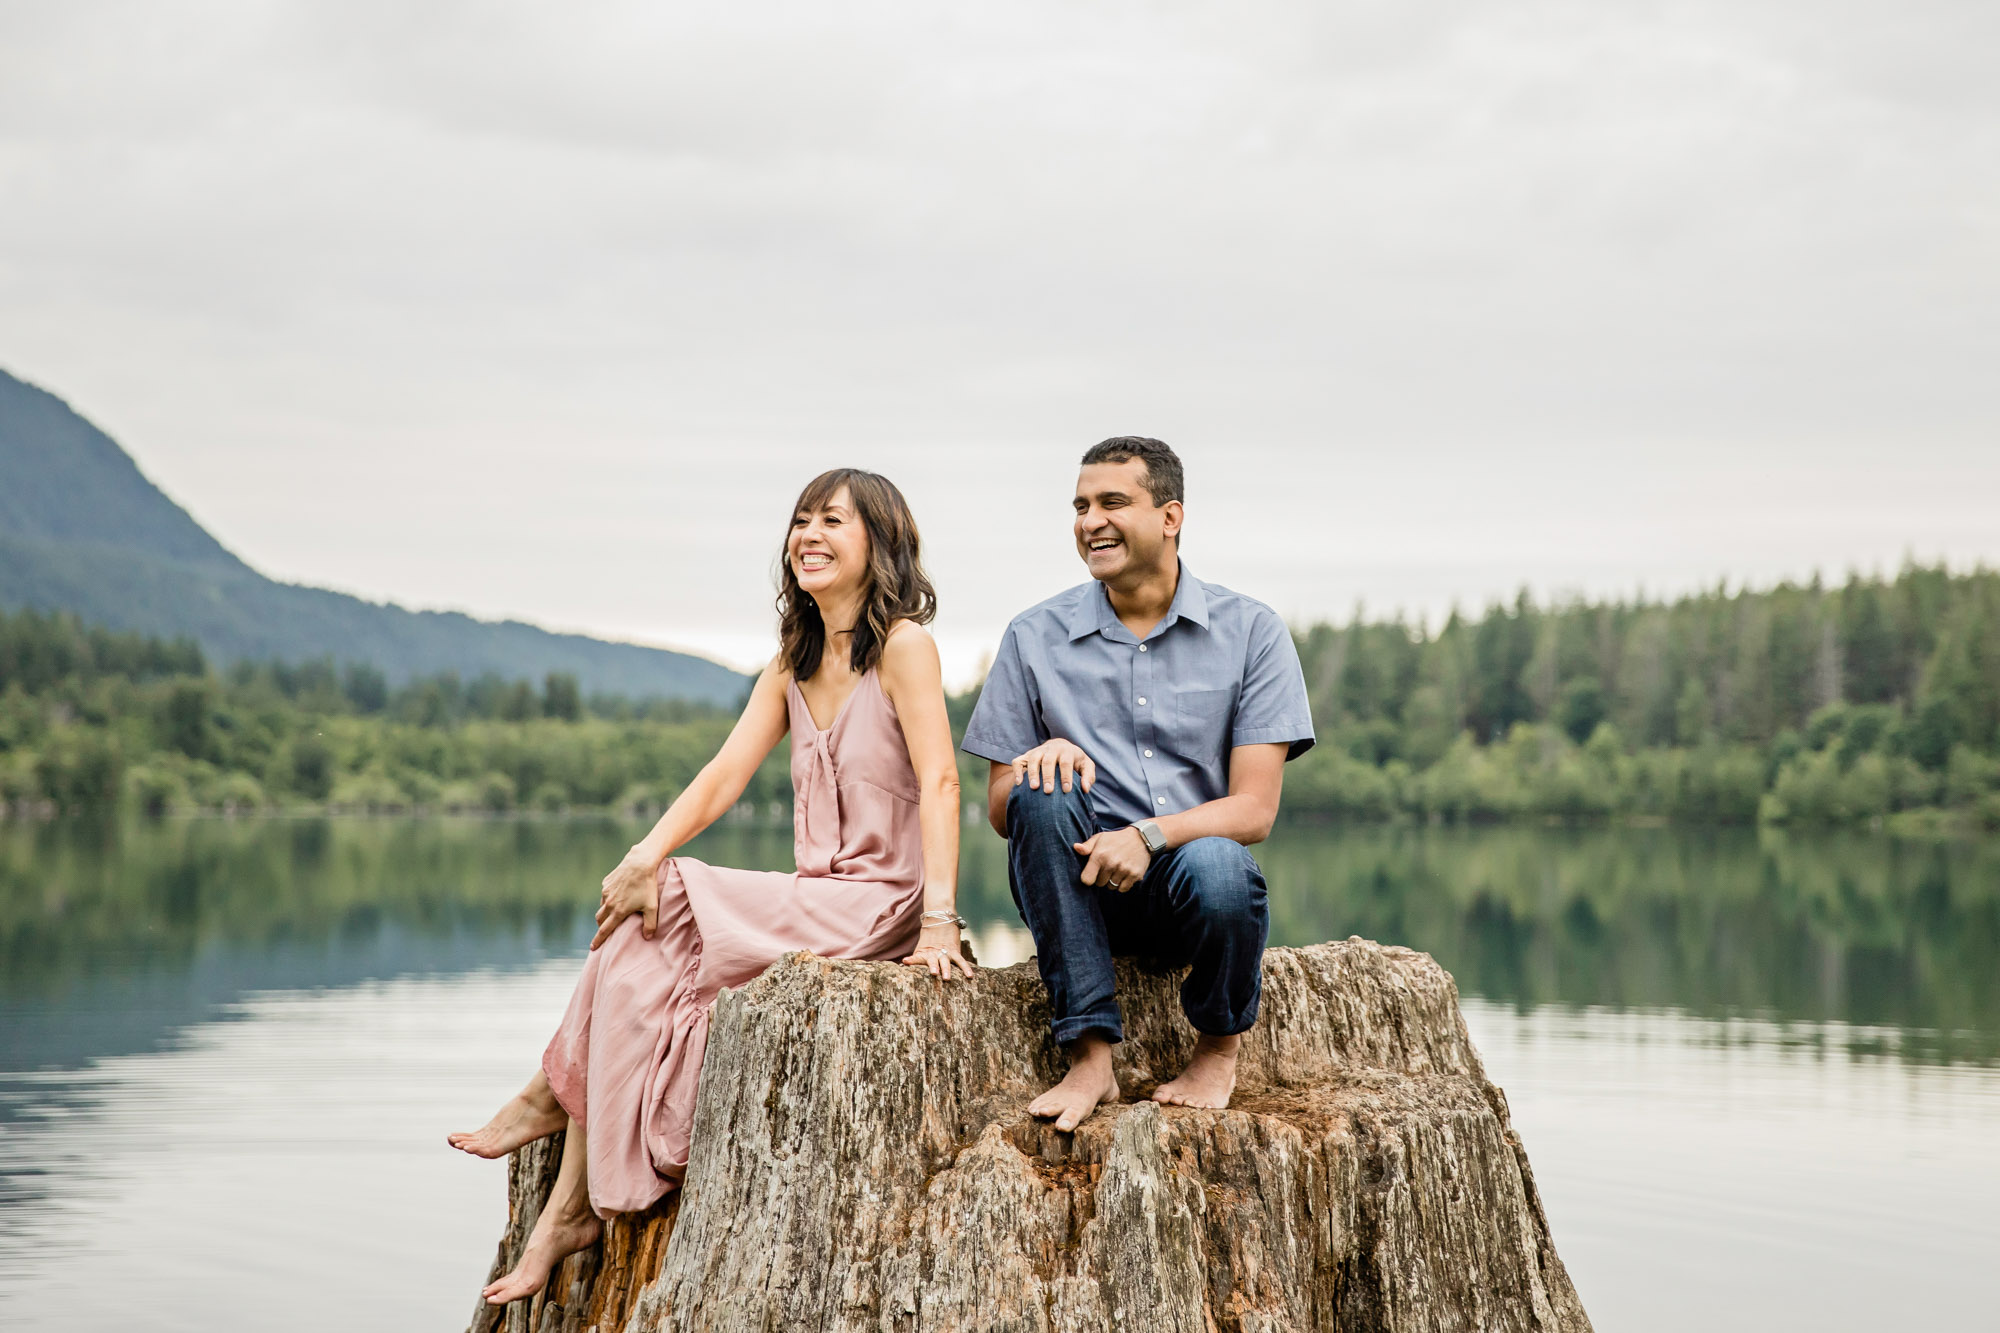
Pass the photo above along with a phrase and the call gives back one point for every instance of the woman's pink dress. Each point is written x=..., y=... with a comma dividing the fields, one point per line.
x=628, y=1053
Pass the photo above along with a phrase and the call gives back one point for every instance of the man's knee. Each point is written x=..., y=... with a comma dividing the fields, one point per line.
x=1222, y=880
x=1061, y=814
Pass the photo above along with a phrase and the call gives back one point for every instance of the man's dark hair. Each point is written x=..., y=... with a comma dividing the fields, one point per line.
x=1163, y=466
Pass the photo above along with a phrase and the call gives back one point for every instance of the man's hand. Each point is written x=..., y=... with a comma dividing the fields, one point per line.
x=1117, y=859
x=1055, y=759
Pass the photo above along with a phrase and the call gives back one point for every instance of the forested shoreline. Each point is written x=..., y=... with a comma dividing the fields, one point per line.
x=1874, y=701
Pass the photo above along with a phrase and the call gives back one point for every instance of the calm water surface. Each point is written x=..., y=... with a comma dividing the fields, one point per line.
x=1759, y=1078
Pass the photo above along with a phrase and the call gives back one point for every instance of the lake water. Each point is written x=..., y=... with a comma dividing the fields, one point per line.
x=1758, y=1076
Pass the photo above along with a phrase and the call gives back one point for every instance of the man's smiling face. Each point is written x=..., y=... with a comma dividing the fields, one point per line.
x=1120, y=532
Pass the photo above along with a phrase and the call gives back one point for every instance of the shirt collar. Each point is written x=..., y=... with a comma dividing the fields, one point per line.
x=1093, y=613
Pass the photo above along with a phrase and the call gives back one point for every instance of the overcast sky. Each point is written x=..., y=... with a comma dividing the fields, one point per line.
x=549, y=310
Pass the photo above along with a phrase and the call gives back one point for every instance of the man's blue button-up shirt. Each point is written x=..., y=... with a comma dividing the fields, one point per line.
x=1157, y=717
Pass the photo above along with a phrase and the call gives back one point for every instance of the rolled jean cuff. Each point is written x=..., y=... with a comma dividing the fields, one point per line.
x=1068, y=1030
x=1222, y=1024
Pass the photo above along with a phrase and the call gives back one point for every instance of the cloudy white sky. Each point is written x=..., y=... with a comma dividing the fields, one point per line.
x=548, y=310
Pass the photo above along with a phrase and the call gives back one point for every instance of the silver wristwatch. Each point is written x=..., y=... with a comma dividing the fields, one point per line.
x=1149, y=832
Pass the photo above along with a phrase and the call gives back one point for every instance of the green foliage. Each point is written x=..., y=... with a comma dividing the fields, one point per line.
x=1691, y=713
x=77, y=704
x=560, y=698
x=309, y=766
x=186, y=720
x=1875, y=701
x=1934, y=732
x=156, y=790
x=1330, y=782
x=366, y=688
x=1581, y=707
x=80, y=768
x=39, y=651
x=1799, y=704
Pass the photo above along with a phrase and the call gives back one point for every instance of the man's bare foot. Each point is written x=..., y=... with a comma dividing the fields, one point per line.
x=557, y=1235
x=532, y=1114
x=1209, y=1078
x=1089, y=1084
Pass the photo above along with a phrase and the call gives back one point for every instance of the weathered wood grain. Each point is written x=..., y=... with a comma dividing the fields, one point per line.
x=862, y=1161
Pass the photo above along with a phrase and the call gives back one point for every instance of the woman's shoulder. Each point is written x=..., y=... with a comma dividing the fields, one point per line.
x=907, y=645
x=775, y=678
x=909, y=654
x=905, y=631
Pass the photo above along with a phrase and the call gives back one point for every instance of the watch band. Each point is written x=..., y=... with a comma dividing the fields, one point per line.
x=1149, y=833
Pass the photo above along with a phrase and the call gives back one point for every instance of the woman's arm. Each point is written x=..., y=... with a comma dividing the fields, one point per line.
x=720, y=784
x=634, y=885
x=914, y=681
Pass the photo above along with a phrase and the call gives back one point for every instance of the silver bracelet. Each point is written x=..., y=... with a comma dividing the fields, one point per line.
x=942, y=918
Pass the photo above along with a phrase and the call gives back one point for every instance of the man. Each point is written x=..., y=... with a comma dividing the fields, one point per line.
x=1138, y=728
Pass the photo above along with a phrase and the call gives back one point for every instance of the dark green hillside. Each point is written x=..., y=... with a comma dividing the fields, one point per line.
x=82, y=530
x=63, y=480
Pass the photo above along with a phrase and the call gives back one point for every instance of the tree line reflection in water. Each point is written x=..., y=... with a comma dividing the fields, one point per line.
x=155, y=924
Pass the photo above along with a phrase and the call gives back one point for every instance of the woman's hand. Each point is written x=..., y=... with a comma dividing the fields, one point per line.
x=633, y=887
x=937, y=949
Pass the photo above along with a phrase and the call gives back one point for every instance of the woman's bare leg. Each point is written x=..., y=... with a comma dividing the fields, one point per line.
x=531, y=1115
x=566, y=1225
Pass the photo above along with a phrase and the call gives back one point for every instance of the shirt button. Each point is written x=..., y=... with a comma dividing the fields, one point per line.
x=1142, y=647
x=1162, y=801
x=1142, y=701
x=1149, y=754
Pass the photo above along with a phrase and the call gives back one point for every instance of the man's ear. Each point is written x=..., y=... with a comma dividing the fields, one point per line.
x=1175, y=514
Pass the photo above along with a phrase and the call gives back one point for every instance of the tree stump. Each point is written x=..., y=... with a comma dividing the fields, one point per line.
x=863, y=1160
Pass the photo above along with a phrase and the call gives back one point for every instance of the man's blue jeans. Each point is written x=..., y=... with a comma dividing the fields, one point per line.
x=1200, y=904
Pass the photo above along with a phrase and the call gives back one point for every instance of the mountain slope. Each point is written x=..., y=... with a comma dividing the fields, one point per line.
x=81, y=529
x=64, y=480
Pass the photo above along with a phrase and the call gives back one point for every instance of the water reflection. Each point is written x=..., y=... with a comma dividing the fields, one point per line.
x=1726, y=1174
x=1866, y=930
x=1765, y=1068
x=281, y=1168
x=1869, y=931
x=114, y=937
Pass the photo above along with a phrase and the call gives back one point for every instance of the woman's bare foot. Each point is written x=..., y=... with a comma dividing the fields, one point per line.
x=532, y=1114
x=1089, y=1084
x=557, y=1235
x=1209, y=1078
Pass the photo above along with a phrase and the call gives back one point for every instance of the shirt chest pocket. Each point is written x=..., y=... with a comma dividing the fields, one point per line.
x=1201, y=726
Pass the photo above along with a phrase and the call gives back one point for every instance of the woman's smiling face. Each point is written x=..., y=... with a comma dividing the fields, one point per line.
x=828, y=548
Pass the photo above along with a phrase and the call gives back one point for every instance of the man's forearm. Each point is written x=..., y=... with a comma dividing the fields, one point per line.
x=999, y=786
x=1240, y=817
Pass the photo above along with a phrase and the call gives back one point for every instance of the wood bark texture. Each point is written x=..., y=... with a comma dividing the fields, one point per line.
x=863, y=1160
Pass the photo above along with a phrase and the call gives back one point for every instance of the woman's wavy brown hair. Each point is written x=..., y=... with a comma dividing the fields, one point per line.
x=897, y=586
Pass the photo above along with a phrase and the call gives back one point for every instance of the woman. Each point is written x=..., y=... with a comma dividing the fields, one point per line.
x=875, y=833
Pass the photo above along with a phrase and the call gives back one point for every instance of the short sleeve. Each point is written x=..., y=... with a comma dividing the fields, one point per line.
x=1007, y=721
x=1273, y=707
